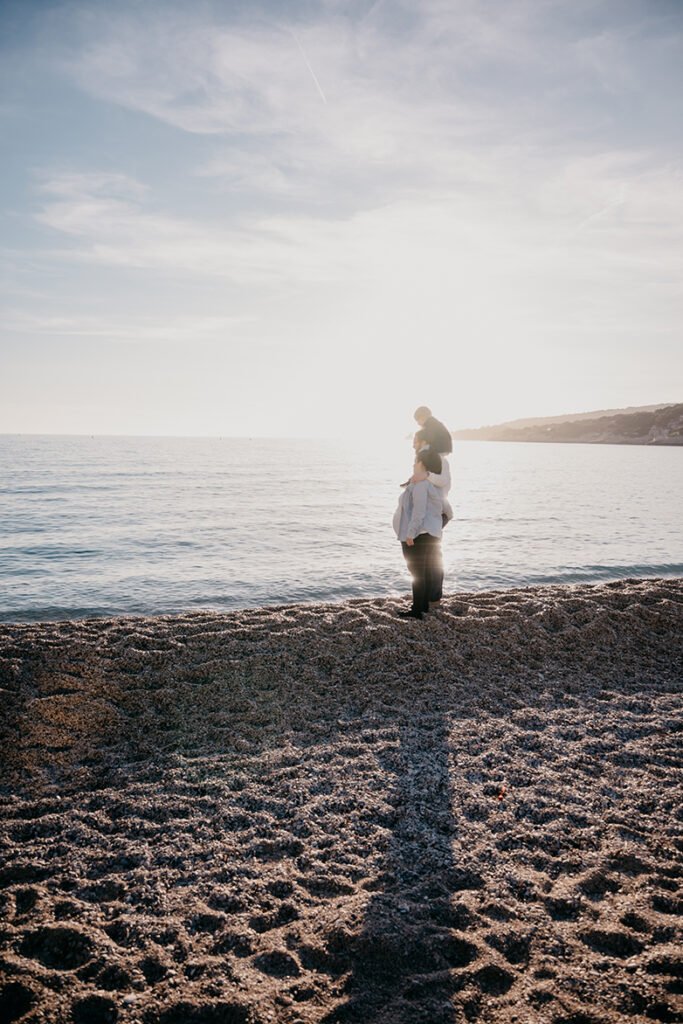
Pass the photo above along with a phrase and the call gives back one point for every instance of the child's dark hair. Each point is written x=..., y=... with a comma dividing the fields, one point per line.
x=430, y=460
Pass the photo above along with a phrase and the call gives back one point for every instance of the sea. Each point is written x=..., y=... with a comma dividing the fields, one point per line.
x=93, y=526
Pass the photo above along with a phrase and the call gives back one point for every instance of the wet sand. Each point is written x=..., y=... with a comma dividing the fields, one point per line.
x=323, y=813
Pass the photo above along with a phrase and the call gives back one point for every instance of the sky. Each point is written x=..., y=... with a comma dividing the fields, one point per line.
x=306, y=219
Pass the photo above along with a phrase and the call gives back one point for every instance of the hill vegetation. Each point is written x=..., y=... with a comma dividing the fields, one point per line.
x=653, y=425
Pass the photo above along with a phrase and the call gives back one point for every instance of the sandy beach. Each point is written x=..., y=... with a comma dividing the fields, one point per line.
x=322, y=813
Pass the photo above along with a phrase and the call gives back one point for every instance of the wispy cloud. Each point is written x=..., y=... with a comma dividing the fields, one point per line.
x=110, y=185
x=133, y=330
x=417, y=97
x=390, y=116
x=116, y=231
x=531, y=215
x=353, y=177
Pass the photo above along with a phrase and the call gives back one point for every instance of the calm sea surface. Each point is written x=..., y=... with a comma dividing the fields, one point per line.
x=109, y=525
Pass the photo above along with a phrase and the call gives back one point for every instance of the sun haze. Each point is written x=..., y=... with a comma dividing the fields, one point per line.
x=292, y=219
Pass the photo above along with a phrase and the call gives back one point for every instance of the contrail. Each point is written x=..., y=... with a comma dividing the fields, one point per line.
x=301, y=50
x=371, y=10
x=619, y=201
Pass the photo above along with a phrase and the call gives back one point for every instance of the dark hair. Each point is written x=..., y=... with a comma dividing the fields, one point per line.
x=431, y=460
x=421, y=435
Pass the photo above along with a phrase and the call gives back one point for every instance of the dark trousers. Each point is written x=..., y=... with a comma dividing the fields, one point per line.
x=436, y=592
x=424, y=560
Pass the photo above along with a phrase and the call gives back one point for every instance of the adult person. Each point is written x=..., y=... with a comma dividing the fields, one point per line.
x=442, y=481
x=418, y=526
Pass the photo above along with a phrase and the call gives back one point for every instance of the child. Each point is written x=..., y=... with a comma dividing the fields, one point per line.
x=441, y=480
x=436, y=434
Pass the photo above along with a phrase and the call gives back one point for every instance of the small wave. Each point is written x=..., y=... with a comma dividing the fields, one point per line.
x=134, y=526
x=578, y=574
x=293, y=595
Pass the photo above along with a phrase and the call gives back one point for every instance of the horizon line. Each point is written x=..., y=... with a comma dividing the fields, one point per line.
x=205, y=437
x=326, y=437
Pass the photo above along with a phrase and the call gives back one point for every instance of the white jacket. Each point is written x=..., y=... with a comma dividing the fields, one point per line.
x=442, y=480
x=418, y=511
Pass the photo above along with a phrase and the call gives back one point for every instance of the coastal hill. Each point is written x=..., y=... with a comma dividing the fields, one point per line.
x=650, y=424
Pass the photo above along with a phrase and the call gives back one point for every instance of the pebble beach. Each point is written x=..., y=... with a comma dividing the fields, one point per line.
x=322, y=813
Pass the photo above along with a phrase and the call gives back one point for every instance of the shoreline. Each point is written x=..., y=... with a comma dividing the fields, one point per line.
x=554, y=440
x=312, y=814
x=391, y=599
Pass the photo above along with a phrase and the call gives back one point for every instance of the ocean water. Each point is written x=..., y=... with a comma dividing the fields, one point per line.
x=109, y=525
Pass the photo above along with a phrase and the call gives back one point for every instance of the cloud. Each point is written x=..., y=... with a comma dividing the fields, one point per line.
x=108, y=184
x=134, y=330
x=470, y=170
x=432, y=142
x=552, y=244
x=202, y=78
x=395, y=115
x=219, y=74
x=418, y=97
x=117, y=228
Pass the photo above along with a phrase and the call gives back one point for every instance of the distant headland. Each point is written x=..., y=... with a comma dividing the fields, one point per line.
x=648, y=424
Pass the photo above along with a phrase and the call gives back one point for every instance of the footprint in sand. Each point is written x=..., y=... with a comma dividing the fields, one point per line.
x=60, y=948
x=16, y=999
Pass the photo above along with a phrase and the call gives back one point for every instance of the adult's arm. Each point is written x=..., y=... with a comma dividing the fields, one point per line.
x=419, y=509
x=398, y=513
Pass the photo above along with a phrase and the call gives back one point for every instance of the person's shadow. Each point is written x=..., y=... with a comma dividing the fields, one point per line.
x=402, y=962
